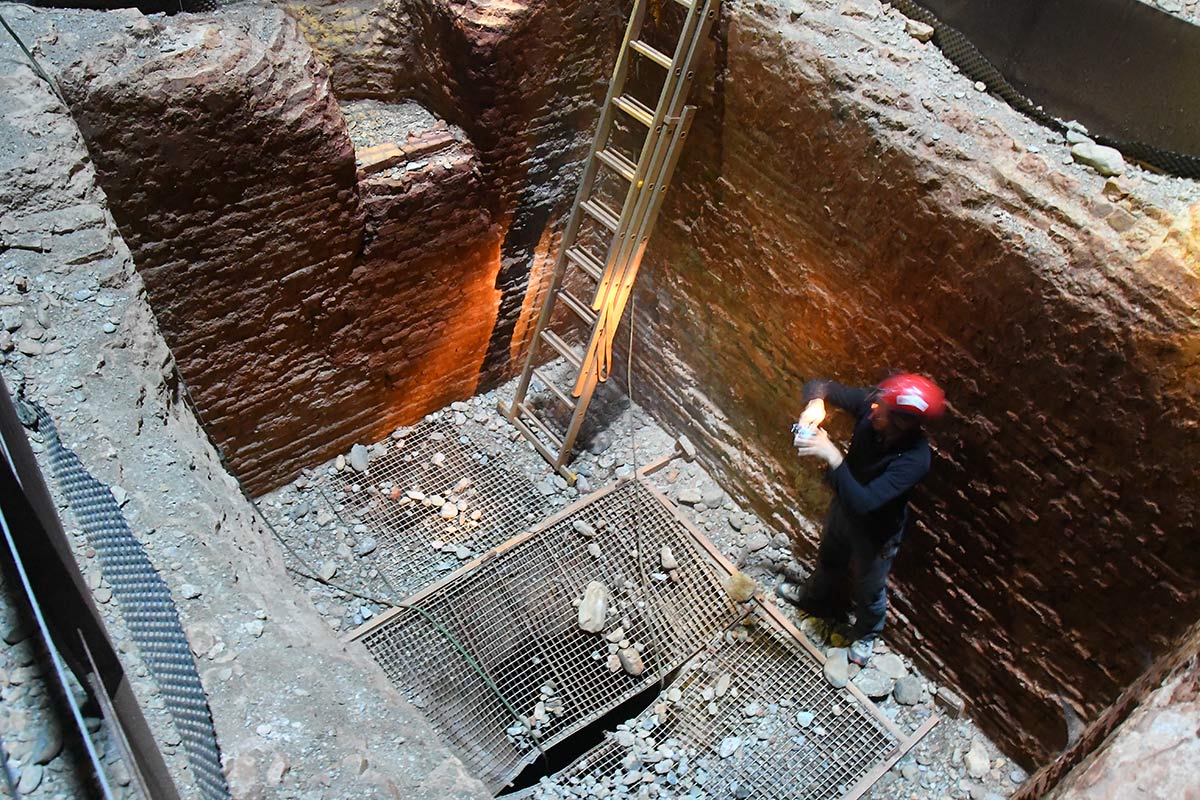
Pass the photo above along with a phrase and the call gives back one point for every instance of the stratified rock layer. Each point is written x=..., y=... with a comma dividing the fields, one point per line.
x=307, y=307
x=278, y=273
x=522, y=77
x=832, y=216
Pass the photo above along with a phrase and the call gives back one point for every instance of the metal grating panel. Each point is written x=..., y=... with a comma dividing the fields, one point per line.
x=514, y=613
x=678, y=740
x=496, y=501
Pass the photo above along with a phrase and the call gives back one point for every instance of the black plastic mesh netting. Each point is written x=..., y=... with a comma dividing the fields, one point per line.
x=146, y=605
x=967, y=58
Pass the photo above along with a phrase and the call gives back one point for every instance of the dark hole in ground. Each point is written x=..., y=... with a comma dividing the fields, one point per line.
x=564, y=753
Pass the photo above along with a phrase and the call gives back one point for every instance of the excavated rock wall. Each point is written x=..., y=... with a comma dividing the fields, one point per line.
x=275, y=271
x=523, y=79
x=421, y=314
x=846, y=205
x=237, y=196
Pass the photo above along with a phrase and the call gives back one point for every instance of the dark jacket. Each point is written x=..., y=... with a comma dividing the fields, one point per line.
x=873, y=483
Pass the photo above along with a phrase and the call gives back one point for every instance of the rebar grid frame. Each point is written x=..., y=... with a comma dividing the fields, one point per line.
x=777, y=757
x=513, y=611
x=406, y=530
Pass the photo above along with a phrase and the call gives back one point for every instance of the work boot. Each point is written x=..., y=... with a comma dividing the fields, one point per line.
x=860, y=651
x=792, y=572
x=801, y=599
x=842, y=634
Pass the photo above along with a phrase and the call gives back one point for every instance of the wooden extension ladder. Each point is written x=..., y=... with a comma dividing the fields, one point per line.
x=613, y=272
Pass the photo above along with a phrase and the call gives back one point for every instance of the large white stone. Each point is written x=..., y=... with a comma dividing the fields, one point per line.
x=359, y=458
x=976, y=759
x=593, y=611
x=837, y=668
x=631, y=661
x=667, y=558
x=1104, y=160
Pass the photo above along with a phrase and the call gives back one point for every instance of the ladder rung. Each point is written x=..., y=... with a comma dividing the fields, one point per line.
x=532, y=438
x=527, y=412
x=655, y=55
x=601, y=213
x=583, y=312
x=635, y=108
x=562, y=396
x=554, y=340
x=618, y=163
x=586, y=262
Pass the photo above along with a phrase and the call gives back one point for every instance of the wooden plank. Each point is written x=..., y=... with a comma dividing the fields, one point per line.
x=897, y=753
x=378, y=158
x=427, y=143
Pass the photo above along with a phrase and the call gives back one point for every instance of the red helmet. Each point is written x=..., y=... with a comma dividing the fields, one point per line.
x=913, y=394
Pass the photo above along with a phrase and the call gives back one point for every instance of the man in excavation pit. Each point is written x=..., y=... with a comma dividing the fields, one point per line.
x=888, y=456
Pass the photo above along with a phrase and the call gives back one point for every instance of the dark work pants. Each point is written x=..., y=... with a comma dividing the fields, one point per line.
x=843, y=546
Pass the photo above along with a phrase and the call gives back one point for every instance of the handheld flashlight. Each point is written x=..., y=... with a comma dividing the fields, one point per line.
x=806, y=427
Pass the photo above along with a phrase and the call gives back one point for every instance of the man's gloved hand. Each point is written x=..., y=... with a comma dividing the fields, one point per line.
x=819, y=445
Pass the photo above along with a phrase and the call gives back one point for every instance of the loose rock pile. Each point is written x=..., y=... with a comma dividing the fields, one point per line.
x=535, y=726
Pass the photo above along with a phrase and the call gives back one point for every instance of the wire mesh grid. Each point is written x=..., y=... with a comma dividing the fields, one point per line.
x=751, y=716
x=435, y=464
x=515, y=614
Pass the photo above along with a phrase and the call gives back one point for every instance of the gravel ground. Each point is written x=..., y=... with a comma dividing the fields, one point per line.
x=953, y=761
x=43, y=759
x=373, y=122
x=1186, y=10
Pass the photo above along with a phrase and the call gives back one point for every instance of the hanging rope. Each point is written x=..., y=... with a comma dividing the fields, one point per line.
x=37, y=68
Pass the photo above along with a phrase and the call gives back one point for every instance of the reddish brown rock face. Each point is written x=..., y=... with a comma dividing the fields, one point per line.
x=235, y=189
x=815, y=230
x=521, y=78
x=277, y=271
x=270, y=263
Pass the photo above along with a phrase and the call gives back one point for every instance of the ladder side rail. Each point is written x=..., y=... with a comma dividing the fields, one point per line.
x=665, y=108
x=603, y=125
x=671, y=99
x=705, y=15
x=598, y=357
x=643, y=235
x=600, y=331
x=591, y=378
